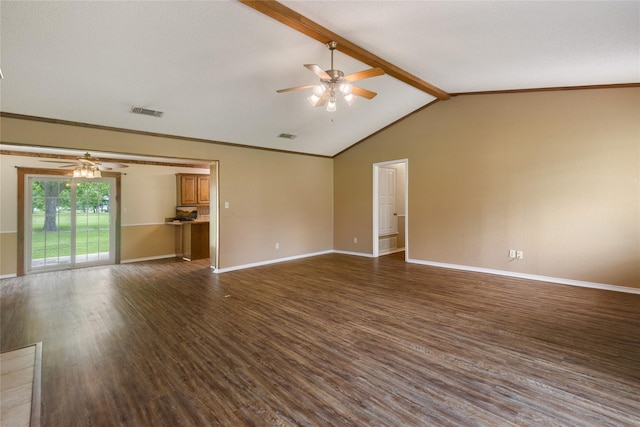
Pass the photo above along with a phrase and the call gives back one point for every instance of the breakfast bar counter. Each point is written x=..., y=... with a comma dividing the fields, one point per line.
x=191, y=238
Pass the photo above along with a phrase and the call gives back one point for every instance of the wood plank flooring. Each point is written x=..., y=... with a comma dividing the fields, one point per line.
x=329, y=340
x=17, y=371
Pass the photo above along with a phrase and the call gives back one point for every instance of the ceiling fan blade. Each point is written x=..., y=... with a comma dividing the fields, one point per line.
x=55, y=161
x=364, y=74
x=294, y=88
x=323, y=99
x=110, y=165
x=363, y=92
x=318, y=71
x=65, y=165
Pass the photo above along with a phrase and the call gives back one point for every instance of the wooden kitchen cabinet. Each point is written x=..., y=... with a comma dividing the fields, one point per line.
x=193, y=189
x=192, y=239
x=195, y=240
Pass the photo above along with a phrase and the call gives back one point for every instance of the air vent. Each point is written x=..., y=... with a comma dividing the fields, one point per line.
x=287, y=136
x=146, y=112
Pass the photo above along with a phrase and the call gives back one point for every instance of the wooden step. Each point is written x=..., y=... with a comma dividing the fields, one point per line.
x=20, y=391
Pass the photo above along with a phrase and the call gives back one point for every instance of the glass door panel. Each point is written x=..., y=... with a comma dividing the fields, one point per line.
x=93, y=231
x=70, y=222
x=50, y=239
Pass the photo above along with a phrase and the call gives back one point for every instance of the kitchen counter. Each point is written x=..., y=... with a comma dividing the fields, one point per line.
x=185, y=222
x=191, y=238
x=170, y=221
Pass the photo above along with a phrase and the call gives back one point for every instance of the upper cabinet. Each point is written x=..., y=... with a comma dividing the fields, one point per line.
x=203, y=189
x=193, y=189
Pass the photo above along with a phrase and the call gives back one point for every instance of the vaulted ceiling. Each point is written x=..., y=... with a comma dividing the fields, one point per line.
x=213, y=67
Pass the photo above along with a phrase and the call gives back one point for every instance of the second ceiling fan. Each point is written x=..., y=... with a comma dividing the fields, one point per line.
x=334, y=84
x=88, y=166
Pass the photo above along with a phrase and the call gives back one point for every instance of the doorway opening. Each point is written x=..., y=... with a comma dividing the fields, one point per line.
x=390, y=207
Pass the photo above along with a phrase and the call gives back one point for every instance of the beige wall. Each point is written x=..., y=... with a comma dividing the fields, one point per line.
x=8, y=252
x=147, y=241
x=554, y=174
x=273, y=197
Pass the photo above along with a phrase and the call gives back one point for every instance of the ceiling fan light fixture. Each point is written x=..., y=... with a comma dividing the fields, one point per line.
x=318, y=90
x=346, y=88
x=87, y=171
x=331, y=105
x=313, y=99
x=350, y=99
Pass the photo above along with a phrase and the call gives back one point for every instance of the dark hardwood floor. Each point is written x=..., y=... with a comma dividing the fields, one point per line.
x=330, y=340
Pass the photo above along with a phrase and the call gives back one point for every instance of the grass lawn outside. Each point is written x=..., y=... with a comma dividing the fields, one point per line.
x=92, y=235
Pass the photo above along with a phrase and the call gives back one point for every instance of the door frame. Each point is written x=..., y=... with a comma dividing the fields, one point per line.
x=73, y=263
x=214, y=208
x=22, y=172
x=376, y=205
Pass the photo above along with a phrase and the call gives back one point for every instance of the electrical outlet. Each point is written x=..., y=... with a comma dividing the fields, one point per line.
x=277, y=245
x=519, y=254
x=512, y=253
x=355, y=240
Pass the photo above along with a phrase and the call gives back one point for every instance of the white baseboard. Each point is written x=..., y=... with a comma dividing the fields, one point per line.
x=150, y=258
x=539, y=278
x=271, y=261
x=364, y=254
x=392, y=251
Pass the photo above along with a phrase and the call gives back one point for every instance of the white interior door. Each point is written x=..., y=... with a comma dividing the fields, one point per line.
x=390, y=201
x=387, y=214
x=69, y=222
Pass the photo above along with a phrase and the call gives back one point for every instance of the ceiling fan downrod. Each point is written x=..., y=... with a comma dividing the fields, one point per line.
x=332, y=45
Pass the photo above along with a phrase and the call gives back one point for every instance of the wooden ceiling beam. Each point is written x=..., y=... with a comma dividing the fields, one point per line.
x=294, y=20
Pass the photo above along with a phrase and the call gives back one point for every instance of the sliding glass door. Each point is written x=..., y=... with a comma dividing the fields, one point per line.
x=69, y=222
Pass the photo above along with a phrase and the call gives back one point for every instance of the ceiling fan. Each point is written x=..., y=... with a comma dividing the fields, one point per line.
x=88, y=166
x=334, y=84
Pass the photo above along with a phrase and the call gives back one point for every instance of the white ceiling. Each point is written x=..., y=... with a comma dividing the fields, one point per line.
x=213, y=67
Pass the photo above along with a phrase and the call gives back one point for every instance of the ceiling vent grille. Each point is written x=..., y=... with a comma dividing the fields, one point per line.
x=287, y=136
x=146, y=112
